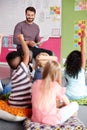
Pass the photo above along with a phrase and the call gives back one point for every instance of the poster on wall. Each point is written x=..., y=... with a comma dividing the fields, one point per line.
x=80, y=5
x=48, y=16
x=78, y=27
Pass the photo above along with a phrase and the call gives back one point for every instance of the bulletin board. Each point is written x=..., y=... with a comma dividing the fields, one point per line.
x=48, y=15
x=73, y=18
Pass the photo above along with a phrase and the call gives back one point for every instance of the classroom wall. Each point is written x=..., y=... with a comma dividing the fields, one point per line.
x=53, y=44
x=4, y=52
x=48, y=21
x=69, y=16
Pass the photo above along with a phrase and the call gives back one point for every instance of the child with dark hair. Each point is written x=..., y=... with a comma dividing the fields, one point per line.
x=19, y=101
x=12, y=57
x=20, y=78
x=75, y=71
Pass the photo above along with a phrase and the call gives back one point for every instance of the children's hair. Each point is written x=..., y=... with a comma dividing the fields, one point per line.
x=73, y=64
x=30, y=9
x=41, y=62
x=11, y=56
x=51, y=73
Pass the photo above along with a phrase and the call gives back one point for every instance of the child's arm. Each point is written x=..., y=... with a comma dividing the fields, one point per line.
x=48, y=58
x=83, y=47
x=25, y=49
x=65, y=100
x=0, y=42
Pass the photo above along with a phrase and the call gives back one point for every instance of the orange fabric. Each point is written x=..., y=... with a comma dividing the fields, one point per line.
x=23, y=112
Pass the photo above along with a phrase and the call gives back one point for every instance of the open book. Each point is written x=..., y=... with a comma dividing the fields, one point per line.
x=43, y=39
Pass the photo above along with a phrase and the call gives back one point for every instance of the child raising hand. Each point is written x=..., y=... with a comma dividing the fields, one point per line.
x=18, y=106
x=75, y=71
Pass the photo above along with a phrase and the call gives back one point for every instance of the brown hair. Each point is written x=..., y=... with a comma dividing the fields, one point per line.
x=30, y=9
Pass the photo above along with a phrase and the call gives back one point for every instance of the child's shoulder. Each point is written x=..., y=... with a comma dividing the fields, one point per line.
x=38, y=81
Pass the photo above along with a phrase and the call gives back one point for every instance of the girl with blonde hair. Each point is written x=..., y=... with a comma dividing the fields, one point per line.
x=45, y=92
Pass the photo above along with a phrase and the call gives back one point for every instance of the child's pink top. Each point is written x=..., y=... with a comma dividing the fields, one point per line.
x=50, y=114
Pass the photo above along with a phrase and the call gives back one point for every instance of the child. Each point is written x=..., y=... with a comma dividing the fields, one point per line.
x=41, y=60
x=20, y=80
x=44, y=95
x=75, y=71
x=20, y=97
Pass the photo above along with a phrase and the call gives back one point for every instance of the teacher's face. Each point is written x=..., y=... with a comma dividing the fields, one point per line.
x=30, y=16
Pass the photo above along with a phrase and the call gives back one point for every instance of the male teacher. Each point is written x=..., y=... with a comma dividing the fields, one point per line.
x=31, y=33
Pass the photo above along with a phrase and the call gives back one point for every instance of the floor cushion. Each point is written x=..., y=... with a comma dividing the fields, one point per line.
x=11, y=113
x=82, y=101
x=72, y=124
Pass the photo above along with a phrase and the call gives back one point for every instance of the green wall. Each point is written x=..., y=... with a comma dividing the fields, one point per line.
x=69, y=17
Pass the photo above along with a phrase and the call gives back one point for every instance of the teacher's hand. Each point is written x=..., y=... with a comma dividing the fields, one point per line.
x=31, y=43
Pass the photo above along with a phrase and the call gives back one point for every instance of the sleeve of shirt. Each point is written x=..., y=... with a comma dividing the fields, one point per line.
x=25, y=68
x=37, y=39
x=60, y=91
x=17, y=31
